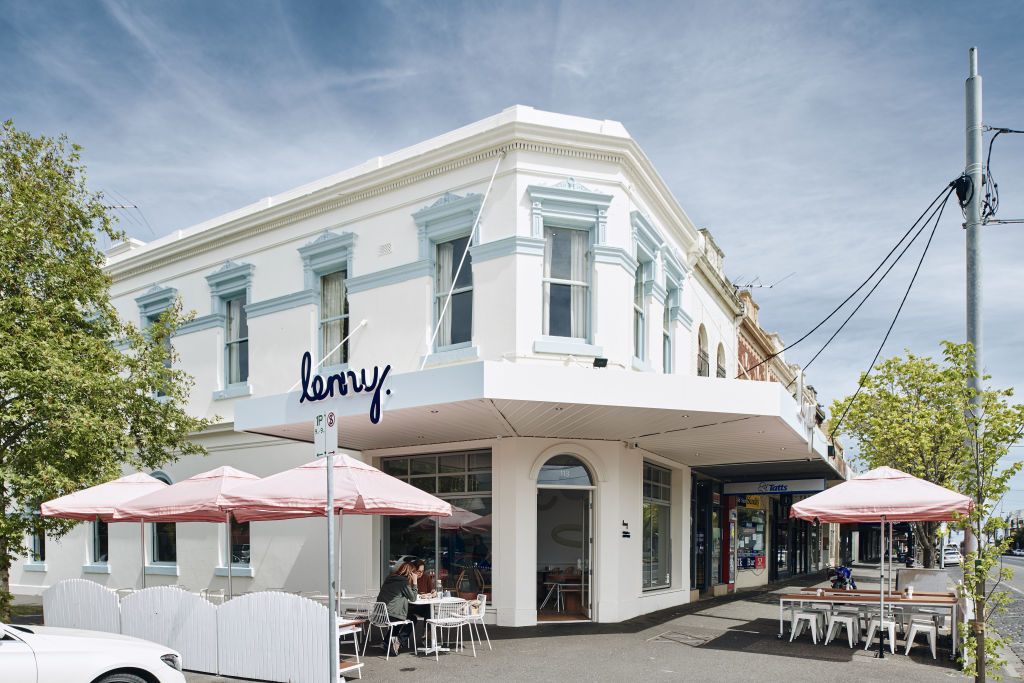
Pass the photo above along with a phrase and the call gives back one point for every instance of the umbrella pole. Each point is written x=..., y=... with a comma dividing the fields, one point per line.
x=227, y=546
x=337, y=554
x=332, y=603
x=890, y=558
x=881, y=590
x=142, y=547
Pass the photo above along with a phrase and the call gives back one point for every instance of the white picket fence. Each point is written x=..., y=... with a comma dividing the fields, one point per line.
x=273, y=636
x=170, y=616
x=269, y=636
x=79, y=603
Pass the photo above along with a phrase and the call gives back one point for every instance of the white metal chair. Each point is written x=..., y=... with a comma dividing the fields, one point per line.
x=926, y=626
x=477, y=617
x=380, y=619
x=448, y=616
x=851, y=620
x=213, y=595
x=812, y=618
x=888, y=623
x=346, y=635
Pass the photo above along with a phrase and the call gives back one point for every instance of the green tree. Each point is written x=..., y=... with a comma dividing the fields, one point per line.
x=920, y=416
x=82, y=394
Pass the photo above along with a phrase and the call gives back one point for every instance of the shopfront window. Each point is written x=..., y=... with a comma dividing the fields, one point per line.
x=99, y=541
x=657, y=557
x=456, y=549
x=750, y=546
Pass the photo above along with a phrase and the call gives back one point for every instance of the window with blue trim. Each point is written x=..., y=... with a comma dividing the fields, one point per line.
x=456, y=315
x=164, y=535
x=566, y=282
x=333, y=319
x=639, y=315
x=236, y=340
x=100, y=540
x=229, y=293
x=666, y=337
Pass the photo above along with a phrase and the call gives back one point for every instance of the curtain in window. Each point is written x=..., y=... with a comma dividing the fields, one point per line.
x=238, y=351
x=580, y=252
x=332, y=327
x=445, y=258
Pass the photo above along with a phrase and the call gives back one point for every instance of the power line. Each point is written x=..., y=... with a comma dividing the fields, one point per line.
x=864, y=376
x=854, y=293
x=872, y=290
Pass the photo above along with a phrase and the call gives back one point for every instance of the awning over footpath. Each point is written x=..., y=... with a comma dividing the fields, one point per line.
x=697, y=421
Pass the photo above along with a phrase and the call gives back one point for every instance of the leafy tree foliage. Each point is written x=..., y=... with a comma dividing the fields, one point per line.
x=920, y=416
x=83, y=394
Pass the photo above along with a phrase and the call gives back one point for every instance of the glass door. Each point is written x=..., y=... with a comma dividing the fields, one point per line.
x=587, y=554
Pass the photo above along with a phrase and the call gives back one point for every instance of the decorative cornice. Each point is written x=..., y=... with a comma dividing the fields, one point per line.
x=231, y=278
x=646, y=239
x=382, y=278
x=327, y=253
x=616, y=256
x=448, y=218
x=507, y=246
x=675, y=271
x=568, y=204
x=303, y=297
x=678, y=315
x=507, y=138
x=155, y=301
x=199, y=324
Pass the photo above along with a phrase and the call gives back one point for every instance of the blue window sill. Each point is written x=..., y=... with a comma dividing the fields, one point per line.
x=327, y=370
x=34, y=566
x=567, y=346
x=161, y=570
x=453, y=354
x=236, y=570
x=96, y=568
x=233, y=391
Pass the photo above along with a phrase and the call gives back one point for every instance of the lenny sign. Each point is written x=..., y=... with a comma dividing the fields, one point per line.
x=317, y=387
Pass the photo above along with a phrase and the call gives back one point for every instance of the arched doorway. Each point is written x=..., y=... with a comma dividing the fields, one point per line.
x=565, y=489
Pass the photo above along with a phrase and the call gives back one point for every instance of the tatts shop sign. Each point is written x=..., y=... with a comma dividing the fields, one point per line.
x=317, y=387
x=769, y=487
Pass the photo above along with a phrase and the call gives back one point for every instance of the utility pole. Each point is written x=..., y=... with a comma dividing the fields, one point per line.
x=973, y=169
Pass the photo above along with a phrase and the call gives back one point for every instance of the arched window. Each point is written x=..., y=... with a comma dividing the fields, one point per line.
x=721, y=361
x=703, y=364
x=564, y=470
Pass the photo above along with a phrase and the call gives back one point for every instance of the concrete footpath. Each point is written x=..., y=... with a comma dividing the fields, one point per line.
x=732, y=638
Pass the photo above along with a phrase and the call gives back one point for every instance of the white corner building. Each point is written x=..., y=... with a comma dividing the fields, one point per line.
x=570, y=387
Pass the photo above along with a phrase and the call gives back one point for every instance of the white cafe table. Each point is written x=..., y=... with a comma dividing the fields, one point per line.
x=430, y=648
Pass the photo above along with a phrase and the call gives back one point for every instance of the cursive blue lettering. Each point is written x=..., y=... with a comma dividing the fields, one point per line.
x=314, y=387
x=375, y=403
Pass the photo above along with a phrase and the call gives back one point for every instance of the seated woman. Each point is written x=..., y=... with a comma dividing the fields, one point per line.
x=396, y=592
x=418, y=611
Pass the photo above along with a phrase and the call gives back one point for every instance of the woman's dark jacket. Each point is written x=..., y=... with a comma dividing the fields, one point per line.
x=396, y=593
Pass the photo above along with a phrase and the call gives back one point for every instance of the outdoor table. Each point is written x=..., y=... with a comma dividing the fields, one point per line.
x=830, y=599
x=433, y=647
x=872, y=591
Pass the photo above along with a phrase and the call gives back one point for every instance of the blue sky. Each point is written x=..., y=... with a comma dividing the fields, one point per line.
x=806, y=136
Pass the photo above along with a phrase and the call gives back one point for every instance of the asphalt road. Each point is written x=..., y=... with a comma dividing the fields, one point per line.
x=1010, y=624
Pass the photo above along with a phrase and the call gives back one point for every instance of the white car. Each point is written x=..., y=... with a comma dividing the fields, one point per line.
x=43, y=654
x=951, y=555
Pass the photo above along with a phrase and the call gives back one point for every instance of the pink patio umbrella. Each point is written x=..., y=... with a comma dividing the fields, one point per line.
x=481, y=524
x=883, y=495
x=196, y=499
x=358, y=489
x=460, y=519
x=101, y=500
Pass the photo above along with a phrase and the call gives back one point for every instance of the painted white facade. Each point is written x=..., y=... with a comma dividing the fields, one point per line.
x=510, y=390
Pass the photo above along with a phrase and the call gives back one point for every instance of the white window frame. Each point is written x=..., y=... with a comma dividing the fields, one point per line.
x=441, y=294
x=232, y=281
x=547, y=282
x=661, y=502
x=324, y=352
